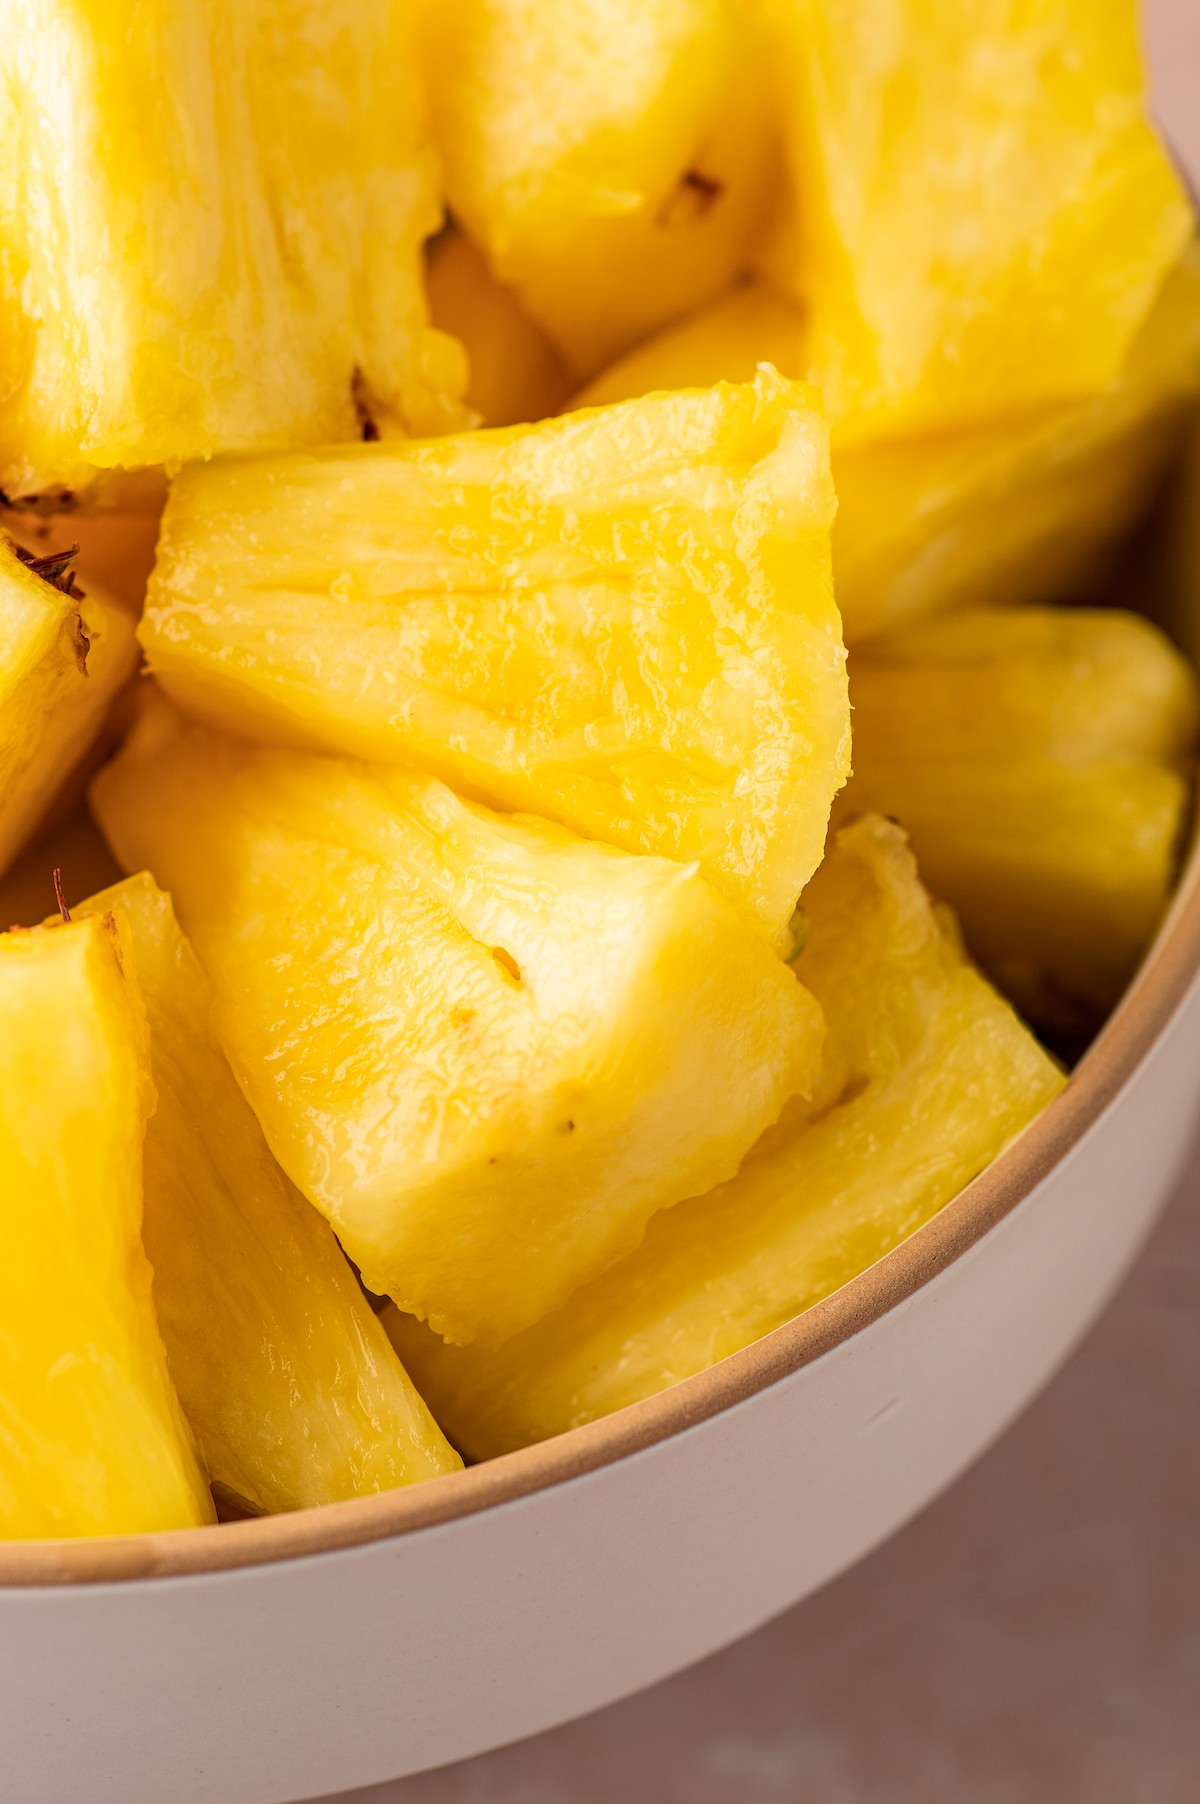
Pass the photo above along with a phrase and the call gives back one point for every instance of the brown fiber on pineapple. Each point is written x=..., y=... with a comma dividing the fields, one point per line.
x=63, y=910
x=693, y=199
x=368, y=430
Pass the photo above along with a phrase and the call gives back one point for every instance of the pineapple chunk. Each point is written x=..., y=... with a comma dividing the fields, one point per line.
x=1016, y=509
x=622, y=621
x=93, y=1441
x=63, y=656
x=928, y=1076
x=516, y=373
x=488, y=1051
x=1020, y=509
x=1037, y=757
x=283, y=1370
x=211, y=217
x=614, y=159
x=723, y=342
x=982, y=213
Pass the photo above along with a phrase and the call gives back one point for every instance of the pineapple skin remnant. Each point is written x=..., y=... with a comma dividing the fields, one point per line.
x=982, y=213
x=615, y=160
x=63, y=656
x=290, y=1385
x=622, y=620
x=487, y=1050
x=928, y=1075
x=92, y=1438
x=211, y=218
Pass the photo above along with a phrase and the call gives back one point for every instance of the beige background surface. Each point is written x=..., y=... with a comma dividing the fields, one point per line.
x=1034, y=1637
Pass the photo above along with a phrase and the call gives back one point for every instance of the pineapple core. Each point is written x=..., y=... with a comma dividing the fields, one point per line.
x=92, y=1438
x=928, y=1075
x=1041, y=759
x=622, y=620
x=286, y=1376
x=211, y=218
x=614, y=159
x=981, y=213
x=1015, y=509
x=63, y=656
x=487, y=1050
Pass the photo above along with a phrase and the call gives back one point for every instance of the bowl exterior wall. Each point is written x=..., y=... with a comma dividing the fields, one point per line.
x=283, y=1681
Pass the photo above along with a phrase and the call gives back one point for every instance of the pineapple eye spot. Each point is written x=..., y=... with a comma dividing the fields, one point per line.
x=692, y=200
x=507, y=963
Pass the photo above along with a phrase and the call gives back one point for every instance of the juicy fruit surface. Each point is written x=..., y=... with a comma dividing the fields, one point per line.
x=290, y=1385
x=1041, y=761
x=723, y=342
x=1014, y=509
x=92, y=1440
x=1017, y=510
x=516, y=375
x=220, y=289
x=613, y=158
x=928, y=1075
x=488, y=1051
x=62, y=659
x=983, y=215
x=622, y=620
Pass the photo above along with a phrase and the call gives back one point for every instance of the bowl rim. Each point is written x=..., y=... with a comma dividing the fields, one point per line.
x=1152, y=1000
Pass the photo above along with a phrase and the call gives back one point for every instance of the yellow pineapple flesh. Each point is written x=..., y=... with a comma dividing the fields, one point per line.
x=487, y=1050
x=614, y=159
x=92, y=1438
x=622, y=620
x=981, y=212
x=63, y=656
x=516, y=375
x=1022, y=509
x=928, y=1076
x=252, y=276
x=1041, y=760
x=290, y=1385
x=1018, y=508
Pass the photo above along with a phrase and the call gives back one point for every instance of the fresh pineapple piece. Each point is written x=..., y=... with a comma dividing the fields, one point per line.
x=929, y=1074
x=982, y=214
x=211, y=217
x=63, y=656
x=92, y=1439
x=516, y=373
x=1021, y=509
x=1016, y=509
x=286, y=1376
x=622, y=621
x=1040, y=758
x=614, y=159
x=722, y=342
x=487, y=1050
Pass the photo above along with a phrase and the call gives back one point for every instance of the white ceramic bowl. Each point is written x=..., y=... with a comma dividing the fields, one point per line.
x=272, y=1660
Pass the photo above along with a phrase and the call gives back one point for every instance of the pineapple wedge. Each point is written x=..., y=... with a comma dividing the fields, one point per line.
x=488, y=1051
x=981, y=214
x=63, y=656
x=252, y=275
x=929, y=1074
x=92, y=1439
x=1041, y=760
x=1016, y=509
x=516, y=373
x=284, y=1372
x=622, y=621
x=614, y=159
